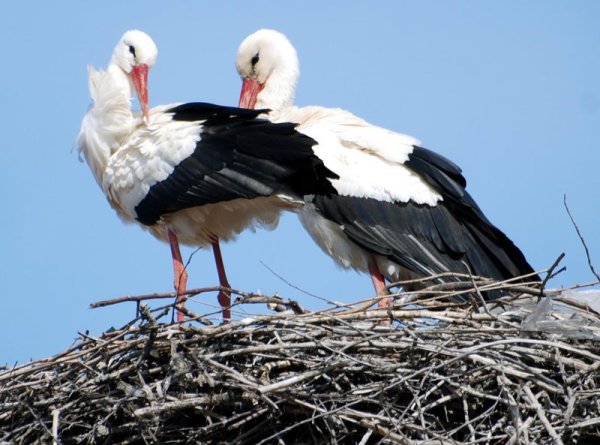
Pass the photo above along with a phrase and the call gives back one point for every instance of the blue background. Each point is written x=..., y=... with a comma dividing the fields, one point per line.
x=508, y=90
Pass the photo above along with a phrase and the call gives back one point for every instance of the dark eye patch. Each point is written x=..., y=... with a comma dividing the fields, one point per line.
x=255, y=59
x=132, y=50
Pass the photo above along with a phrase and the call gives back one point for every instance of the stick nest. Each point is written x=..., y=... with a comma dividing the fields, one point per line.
x=523, y=369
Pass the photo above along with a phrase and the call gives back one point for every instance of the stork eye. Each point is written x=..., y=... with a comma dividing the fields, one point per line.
x=254, y=60
x=132, y=50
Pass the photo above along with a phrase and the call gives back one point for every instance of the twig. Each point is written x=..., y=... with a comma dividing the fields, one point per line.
x=293, y=286
x=542, y=415
x=549, y=274
x=55, y=424
x=276, y=303
x=587, y=252
x=289, y=382
x=162, y=295
x=153, y=296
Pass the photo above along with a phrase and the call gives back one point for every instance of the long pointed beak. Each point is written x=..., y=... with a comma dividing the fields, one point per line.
x=249, y=94
x=139, y=75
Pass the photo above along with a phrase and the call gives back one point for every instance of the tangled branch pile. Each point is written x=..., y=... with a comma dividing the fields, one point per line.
x=440, y=373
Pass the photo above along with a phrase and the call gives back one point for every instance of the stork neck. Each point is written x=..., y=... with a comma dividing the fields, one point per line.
x=121, y=82
x=109, y=120
x=279, y=90
x=112, y=95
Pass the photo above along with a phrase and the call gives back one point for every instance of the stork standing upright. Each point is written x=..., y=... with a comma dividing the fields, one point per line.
x=192, y=173
x=399, y=211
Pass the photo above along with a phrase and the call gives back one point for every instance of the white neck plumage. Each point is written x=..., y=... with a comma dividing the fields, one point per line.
x=109, y=119
x=279, y=91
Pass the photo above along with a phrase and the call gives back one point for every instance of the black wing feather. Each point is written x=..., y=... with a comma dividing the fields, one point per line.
x=238, y=156
x=453, y=235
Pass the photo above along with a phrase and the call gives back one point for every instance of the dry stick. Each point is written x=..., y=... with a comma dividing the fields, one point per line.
x=549, y=274
x=513, y=409
x=542, y=415
x=420, y=412
x=439, y=276
x=155, y=296
x=248, y=418
x=191, y=292
x=386, y=433
x=380, y=391
x=169, y=407
x=37, y=418
x=438, y=439
x=275, y=301
x=577, y=304
x=578, y=286
x=482, y=301
x=238, y=376
x=237, y=420
x=587, y=252
x=265, y=389
x=168, y=295
x=143, y=309
x=192, y=316
x=523, y=428
x=569, y=392
x=55, y=423
x=468, y=421
x=335, y=351
x=366, y=437
x=586, y=423
x=591, y=369
x=322, y=414
x=293, y=286
x=441, y=291
x=486, y=414
x=63, y=357
x=466, y=278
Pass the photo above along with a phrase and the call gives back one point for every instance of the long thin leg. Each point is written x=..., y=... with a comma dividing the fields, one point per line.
x=180, y=272
x=223, y=297
x=379, y=284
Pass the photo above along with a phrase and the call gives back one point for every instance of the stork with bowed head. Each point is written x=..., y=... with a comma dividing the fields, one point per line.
x=399, y=211
x=192, y=173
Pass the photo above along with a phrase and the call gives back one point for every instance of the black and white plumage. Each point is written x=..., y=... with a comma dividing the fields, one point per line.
x=218, y=169
x=192, y=173
x=399, y=211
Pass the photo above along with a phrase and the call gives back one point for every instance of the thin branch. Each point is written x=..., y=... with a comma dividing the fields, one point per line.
x=293, y=286
x=587, y=251
x=549, y=273
x=163, y=295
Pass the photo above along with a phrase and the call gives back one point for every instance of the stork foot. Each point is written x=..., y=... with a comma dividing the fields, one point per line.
x=179, y=272
x=224, y=297
x=384, y=301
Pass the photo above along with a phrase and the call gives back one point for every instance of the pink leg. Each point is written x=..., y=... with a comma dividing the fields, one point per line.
x=379, y=283
x=180, y=272
x=223, y=297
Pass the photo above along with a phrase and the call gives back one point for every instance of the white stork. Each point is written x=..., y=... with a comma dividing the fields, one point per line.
x=192, y=173
x=399, y=211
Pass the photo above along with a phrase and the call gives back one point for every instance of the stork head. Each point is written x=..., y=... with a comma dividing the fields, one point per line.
x=268, y=65
x=135, y=54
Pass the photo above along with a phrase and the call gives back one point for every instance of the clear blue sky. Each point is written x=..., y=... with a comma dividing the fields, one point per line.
x=508, y=90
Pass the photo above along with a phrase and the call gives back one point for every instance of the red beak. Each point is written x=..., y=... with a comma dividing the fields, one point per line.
x=249, y=94
x=139, y=75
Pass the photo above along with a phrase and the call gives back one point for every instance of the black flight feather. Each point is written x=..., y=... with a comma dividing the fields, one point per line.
x=238, y=156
